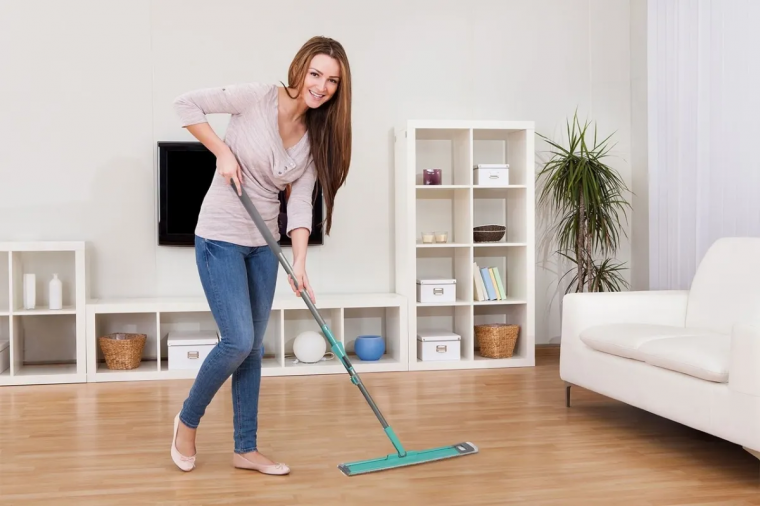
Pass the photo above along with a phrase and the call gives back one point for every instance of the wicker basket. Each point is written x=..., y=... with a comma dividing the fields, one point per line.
x=497, y=340
x=122, y=351
x=488, y=233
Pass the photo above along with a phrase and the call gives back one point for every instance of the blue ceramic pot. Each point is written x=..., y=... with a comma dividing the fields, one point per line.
x=369, y=348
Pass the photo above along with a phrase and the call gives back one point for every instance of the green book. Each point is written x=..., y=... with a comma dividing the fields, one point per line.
x=498, y=281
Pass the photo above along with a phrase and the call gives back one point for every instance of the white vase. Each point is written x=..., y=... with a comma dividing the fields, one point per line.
x=30, y=294
x=55, y=293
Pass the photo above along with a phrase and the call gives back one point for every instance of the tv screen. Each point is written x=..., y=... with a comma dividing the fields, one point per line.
x=185, y=171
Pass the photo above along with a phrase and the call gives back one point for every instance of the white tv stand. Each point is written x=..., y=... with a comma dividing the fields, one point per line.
x=347, y=315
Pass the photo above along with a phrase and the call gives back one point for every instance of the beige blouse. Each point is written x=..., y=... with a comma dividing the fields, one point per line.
x=253, y=136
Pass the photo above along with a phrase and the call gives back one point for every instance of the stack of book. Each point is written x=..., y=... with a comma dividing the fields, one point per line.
x=488, y=284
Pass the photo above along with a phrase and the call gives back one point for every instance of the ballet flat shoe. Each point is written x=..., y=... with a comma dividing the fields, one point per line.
x=184, y=463
x=243, y=463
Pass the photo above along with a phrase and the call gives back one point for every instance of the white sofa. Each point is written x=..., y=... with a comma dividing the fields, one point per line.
x=692, y=356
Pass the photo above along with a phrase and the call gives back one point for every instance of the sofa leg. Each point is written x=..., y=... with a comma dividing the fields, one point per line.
x=567, y=394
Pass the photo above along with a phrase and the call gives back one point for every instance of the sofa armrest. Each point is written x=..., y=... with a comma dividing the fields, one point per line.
x=743, y=370
x=588, y=309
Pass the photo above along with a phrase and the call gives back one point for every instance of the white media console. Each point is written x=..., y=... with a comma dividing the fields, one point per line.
x=46, y=346
x=347, y=315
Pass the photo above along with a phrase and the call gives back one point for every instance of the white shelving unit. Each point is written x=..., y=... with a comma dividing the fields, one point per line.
x=347, y=315
x=456, y=207
x=46, y=345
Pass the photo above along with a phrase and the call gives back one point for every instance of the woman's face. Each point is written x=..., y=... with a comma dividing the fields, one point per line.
x=321, y=82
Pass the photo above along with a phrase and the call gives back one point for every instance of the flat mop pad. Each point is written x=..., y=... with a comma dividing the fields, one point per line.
x=401, y=458
x=411, y=458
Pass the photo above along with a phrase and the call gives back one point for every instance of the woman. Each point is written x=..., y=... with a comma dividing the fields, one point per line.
x=277, y=136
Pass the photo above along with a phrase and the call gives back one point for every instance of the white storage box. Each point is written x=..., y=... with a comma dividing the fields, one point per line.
x=189, y=348
x=433, y=346
x=5, y=356
x=436, y=290
x=491, y=174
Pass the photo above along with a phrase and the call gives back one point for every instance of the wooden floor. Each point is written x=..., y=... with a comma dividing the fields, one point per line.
x=104, y=444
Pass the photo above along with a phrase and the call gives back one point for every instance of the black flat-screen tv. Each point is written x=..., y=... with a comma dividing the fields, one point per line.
x=185, y=170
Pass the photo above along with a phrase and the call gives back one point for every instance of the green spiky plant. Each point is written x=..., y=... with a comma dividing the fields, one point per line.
x=585, y=199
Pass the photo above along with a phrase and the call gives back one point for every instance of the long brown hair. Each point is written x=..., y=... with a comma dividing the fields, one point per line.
x=329, y=125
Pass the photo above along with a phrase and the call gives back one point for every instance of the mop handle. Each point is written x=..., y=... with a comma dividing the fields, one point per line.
x=336, y=347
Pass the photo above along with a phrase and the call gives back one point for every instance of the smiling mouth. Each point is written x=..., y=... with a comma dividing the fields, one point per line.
x=316, y=95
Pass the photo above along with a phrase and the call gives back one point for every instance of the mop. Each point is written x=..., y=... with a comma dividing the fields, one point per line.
x=402, y=457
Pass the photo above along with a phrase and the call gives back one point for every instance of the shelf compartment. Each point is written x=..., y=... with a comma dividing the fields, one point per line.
x=175, y=321
x=511, y=314
x=172, y=321
x=445, y=210
x=380, y=321
x=446, y=263
x=457, y=319
x=296, y=321
x=512, y=264
x=43, y=264
x=502, y=206
x=448, y=149
x=43, y=345
x=131, y=323
x=504, y=146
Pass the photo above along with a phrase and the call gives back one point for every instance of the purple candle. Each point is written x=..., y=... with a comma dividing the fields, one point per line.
x=431, y=176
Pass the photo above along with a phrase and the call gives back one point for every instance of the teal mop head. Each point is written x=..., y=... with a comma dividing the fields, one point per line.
x=411, y=458
x=401, y=458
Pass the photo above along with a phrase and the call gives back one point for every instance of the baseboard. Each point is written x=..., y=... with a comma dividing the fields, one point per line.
x=547, y=350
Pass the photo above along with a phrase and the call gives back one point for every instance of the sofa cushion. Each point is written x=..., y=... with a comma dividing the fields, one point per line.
x=706, y=357
x=625, y=339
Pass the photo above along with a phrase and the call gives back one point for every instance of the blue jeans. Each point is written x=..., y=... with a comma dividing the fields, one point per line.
x=239, y=283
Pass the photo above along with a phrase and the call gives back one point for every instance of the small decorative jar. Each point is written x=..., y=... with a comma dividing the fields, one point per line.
x=431, y=176
x=369, y=348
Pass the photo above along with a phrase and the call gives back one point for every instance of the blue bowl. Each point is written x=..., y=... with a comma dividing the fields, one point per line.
x=369, y=348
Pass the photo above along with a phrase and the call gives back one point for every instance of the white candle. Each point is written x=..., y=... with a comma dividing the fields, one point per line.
x=441, y=236
x=427, y=237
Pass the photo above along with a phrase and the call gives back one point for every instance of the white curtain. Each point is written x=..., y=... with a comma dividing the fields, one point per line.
x=704, y=131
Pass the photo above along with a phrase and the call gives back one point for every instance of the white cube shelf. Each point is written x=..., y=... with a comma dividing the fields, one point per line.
x=347, y=315
x=46, y=346
x=454, y=208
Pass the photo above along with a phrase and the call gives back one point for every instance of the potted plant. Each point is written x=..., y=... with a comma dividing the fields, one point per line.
x=584, y=201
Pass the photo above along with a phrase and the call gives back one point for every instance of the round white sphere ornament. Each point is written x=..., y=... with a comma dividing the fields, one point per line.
x=309, y=347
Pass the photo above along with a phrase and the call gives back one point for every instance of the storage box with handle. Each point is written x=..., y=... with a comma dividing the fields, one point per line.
x=436, y=290
x=189, y=348
x=491, y=174
x=438, y=345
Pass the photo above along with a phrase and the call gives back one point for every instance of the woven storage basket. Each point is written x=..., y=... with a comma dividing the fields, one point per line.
x=488, y=233
x=122, y=350
x=497, y=340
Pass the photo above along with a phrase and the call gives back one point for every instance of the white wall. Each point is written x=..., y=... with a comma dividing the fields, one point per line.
x=87, y=88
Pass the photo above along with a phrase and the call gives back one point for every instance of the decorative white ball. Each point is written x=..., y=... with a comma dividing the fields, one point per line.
x=309, y=347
